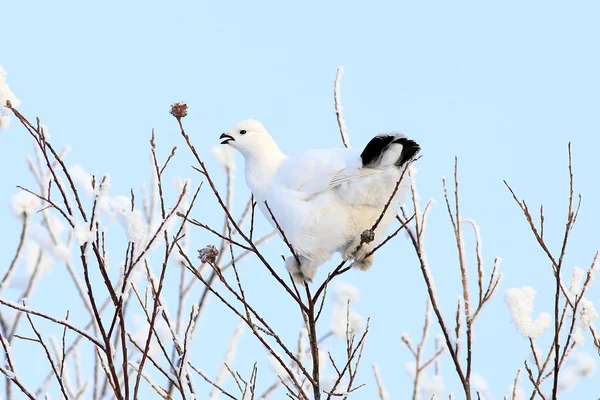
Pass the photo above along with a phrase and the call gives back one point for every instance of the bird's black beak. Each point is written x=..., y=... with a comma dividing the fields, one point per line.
x=226, y=138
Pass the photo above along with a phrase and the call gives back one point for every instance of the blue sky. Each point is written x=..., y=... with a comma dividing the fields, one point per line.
x=504, y=87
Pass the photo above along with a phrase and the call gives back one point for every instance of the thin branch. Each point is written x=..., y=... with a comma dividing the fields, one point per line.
x=338, y=106
x=49, y=357
x=11, y=267
x=56, y=321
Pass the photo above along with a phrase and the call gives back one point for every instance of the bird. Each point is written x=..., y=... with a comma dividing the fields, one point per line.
x=325, y=201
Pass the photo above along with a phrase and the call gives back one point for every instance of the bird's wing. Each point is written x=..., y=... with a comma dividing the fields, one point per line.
x=347, y=175
x=374, y=189
x=317, y=170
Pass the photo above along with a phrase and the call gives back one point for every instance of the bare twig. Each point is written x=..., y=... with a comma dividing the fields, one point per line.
x=338, y=106
x=56, y=321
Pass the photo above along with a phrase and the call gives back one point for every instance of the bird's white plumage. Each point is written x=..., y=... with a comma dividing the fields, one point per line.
x=322, y=199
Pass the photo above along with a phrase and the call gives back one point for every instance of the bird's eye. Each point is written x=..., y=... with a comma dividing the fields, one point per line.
x=243, y=132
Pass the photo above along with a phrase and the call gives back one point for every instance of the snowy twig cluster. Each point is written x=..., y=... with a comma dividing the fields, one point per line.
x=132, y=333
x=467, y=310
x=137, y=342
x=574, y=314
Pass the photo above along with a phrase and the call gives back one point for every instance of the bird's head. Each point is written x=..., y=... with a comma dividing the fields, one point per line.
x=249, y=137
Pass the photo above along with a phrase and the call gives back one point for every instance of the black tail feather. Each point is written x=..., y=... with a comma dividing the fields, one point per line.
x=375, y=149
x=410, y=148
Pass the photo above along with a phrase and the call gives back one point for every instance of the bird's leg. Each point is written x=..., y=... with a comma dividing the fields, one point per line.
x=360, y=260
x=294, y=269
x=362, y=251
x=300, y=273
x=363, y=264
x=351, y=249
x=359, y=248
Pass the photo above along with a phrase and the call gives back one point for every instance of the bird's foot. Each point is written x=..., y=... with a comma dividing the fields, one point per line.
x=360, y=246
x=351, y=250
x=363, y=264
x=300, y=273
x=360, y=251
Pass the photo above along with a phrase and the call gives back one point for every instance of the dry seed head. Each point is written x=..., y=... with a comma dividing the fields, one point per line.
x=179, y=110
x=208, y=254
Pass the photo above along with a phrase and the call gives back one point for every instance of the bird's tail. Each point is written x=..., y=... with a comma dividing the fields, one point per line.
x=389, y=149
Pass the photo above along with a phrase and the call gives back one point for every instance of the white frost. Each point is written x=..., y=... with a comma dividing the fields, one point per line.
x=24, y=203
x=338, y=105
x=188, y=335
x=8, y=349
x=6, y=94
x=432, y=386
x=140, y=336
x=61, y=252
x=518, y=390
x=55, y=224
x=136, y=228
x=404, y=338
x=276, y=366
x=410, y=367
x=576, y=279
x=578, y=337
x=587, y=313
x=81, y=178
x=327, y=383
x=581, y=365
x=102, y=186
x=228, y=360
x=520, y=305
x=383, y=394
x=44, y=131
x=345, y=292
x=480, y=386
x=340, y=321
x=519, y=393
x=119, y=208
x=83, y=233
x=37, y=257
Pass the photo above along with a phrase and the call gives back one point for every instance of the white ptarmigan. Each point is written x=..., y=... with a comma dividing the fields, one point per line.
x=324, y=199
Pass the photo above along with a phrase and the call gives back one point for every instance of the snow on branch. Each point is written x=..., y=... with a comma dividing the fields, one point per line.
x=189, y=276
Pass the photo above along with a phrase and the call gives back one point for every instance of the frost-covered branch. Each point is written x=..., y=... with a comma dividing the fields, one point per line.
x=338, y=106
x=168, y=251
x=573, y=312
x=415, y=234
